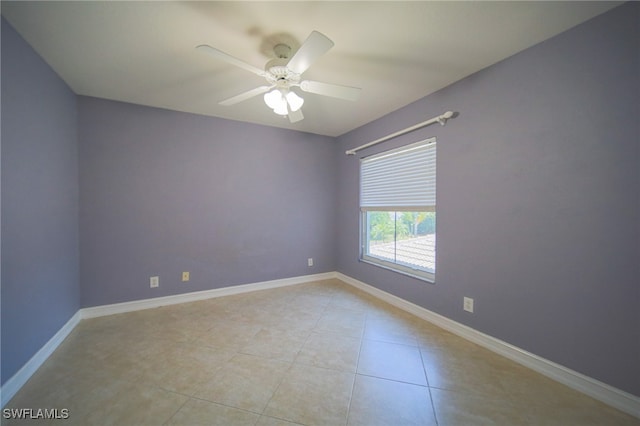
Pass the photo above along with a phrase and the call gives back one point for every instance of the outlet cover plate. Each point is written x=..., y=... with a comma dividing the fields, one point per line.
x=468, y=304
x=154, y=282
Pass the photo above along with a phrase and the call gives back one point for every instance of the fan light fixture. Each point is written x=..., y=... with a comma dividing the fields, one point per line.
x=278, y=99
x=284, y=72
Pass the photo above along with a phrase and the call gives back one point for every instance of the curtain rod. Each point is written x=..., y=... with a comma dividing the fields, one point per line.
x=442, y=119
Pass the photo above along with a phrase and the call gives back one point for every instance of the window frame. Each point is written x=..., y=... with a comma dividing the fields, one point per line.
x=420, y=274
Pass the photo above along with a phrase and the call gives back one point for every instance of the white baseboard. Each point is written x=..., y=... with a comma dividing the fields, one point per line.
x=137, y=305
x=13, y=385
x=603, y=392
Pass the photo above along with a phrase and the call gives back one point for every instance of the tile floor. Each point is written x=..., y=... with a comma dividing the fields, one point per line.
x=321, y=353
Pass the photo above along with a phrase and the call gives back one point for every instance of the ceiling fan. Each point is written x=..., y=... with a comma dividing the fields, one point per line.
x=284, y=73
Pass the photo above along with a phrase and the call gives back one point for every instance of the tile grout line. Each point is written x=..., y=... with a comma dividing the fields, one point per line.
x=426, y=375
x=355, y=375
x=291, y=366
x=176, y=412
x=224, y=405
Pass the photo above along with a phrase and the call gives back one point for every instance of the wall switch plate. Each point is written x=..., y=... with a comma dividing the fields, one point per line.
x=310, y=261
x=468, y=304
x=185, y=276
x=154, y=282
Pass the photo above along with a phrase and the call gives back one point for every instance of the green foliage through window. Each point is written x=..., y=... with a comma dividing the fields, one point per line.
x=404, y=238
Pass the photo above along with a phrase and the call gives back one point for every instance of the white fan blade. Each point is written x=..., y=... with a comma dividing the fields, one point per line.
x=246, y=95
x=334, y=90
x=314, y=46
x=295, y=116
x=230, y=59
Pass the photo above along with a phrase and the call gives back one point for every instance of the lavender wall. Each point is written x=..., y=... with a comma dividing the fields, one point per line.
x=164, y=192
x=538, y=199
x=40, y=290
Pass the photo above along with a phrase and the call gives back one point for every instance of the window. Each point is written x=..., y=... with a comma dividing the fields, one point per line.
x=398, y=209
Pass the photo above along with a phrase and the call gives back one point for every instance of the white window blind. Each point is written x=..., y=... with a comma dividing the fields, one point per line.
x=402, y=179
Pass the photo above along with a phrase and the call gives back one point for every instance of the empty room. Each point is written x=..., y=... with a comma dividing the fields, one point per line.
x=224, y=213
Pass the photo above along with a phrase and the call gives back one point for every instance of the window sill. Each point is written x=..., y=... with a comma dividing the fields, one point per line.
x=430, y=280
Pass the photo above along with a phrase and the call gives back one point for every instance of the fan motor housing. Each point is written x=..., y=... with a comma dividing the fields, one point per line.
x=278, y=73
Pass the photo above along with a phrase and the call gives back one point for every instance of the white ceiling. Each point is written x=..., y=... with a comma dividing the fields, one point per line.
x=397, y=52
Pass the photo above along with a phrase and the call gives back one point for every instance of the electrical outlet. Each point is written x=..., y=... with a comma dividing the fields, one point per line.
x=310, y=261
x=468, y=304
x=185, y=276
x=154, y=282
